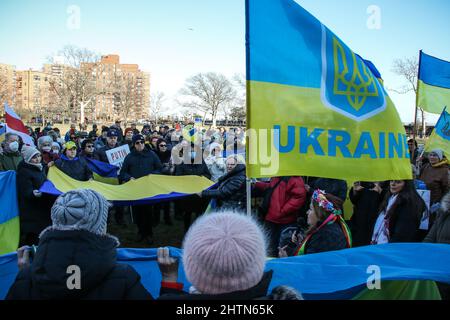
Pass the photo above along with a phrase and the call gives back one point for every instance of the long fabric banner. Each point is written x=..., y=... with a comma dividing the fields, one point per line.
x=342, y=274
x=9, y=213
x=330, y=115
x=434, y=84
x=440, y=138
x=146, y=190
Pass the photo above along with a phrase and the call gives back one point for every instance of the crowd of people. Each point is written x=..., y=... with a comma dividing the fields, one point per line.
x=296, y=215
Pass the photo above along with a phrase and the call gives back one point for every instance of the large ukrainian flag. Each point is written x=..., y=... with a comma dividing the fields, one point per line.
x=9, y=213
x=330, y=114
x=440, y=138
x=434, y=83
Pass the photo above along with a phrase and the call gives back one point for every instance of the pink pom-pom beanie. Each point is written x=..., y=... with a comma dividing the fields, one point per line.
x=224, y=252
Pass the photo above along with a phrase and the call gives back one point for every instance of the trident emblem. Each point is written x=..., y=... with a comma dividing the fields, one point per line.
x=348, y=86
x=358, y=84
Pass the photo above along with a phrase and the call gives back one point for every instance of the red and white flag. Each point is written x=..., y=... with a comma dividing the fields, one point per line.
x=15, y=125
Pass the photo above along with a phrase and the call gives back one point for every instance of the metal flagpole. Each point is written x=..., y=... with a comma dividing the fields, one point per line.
x=417, y=98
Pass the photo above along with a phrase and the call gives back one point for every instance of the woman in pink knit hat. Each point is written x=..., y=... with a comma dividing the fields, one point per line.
x=224, y=256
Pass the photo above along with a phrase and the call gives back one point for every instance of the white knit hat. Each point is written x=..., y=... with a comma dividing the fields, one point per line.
x=29, y=152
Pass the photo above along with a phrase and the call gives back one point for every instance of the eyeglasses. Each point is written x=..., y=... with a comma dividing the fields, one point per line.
x=163, y=145
x=139, y=142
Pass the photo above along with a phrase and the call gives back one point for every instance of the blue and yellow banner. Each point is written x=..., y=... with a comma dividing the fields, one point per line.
x=103, y=172
x=9, y=213
x=146, y=190
x=405, y=270
x=440, y=138
x=434, y=83
x=314, y=107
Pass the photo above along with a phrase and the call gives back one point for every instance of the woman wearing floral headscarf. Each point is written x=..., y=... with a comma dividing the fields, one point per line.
x=327, y=228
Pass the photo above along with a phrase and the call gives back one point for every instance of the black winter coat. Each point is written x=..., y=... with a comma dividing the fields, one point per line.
x=258, y=292
x=365, y=213
x=76, y=169
x=34, y=212
x=102, y=278
x=231, y=192
x=192, y=170
x=404, y=222
x=139, y=164
x=328, y=238
x=336, y=187
x=440, y=231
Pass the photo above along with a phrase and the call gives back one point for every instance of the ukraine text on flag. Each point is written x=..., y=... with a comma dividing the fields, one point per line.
x=325, y=107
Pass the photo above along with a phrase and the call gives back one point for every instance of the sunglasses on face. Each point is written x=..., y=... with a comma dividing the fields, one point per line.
x=163, y=145
x=139, y=142
x=89, y=146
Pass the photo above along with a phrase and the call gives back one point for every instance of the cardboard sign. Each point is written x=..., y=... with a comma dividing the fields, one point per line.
x=116, y=156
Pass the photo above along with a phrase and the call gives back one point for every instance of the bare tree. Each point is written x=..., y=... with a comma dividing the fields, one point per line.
x=76, y=87
x=123, y=90
x=239, y=110
x=408, y=68
x=157, y=100
x=208, y=92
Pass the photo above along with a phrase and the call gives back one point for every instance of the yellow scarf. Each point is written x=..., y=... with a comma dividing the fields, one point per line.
x=437, y=165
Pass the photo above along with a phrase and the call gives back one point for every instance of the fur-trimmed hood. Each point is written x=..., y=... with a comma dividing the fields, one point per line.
x=445, y=203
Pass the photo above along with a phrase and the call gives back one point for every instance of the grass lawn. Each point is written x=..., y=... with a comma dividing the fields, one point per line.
x=163, y=235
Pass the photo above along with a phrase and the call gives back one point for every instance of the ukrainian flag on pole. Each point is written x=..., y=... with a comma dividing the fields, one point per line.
x=434, y=83
x=9, y=213
x=330, y=115
x=440, y=138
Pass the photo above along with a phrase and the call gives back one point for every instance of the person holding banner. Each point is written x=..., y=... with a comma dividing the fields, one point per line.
x=192, y=164
x=88, y=150
x=78, y=238
x=75, y=167
x=139, y=163
x=111, y=143
x=34, y=207
x=10, y=158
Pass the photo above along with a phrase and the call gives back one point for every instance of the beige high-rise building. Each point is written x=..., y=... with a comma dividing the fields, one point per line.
x=32, y=93
x=7, y=84
x=123, y=89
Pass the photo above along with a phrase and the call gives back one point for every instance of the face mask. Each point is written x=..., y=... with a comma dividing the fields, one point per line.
x=14, y=146
x=46, y=149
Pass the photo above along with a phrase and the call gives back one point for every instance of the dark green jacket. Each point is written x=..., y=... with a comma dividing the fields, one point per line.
x=10, y=161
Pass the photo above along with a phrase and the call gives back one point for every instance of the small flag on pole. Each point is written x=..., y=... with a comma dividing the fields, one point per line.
x=15, y=125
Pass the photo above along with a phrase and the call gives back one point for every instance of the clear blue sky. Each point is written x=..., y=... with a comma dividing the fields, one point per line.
x=176, y=39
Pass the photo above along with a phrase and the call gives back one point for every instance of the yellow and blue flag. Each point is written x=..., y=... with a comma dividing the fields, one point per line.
x=434, y=83
x=330, y=114
x=9, y=213
x=440, y=138
x=146, y=190
x=2, y=132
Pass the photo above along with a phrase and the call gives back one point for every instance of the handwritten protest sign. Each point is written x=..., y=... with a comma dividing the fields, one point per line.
x=116, y=156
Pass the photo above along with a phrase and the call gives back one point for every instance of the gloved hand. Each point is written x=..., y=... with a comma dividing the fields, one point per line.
x=37, y=193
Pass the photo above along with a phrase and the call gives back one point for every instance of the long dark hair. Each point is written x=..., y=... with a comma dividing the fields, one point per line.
x=409, y=197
